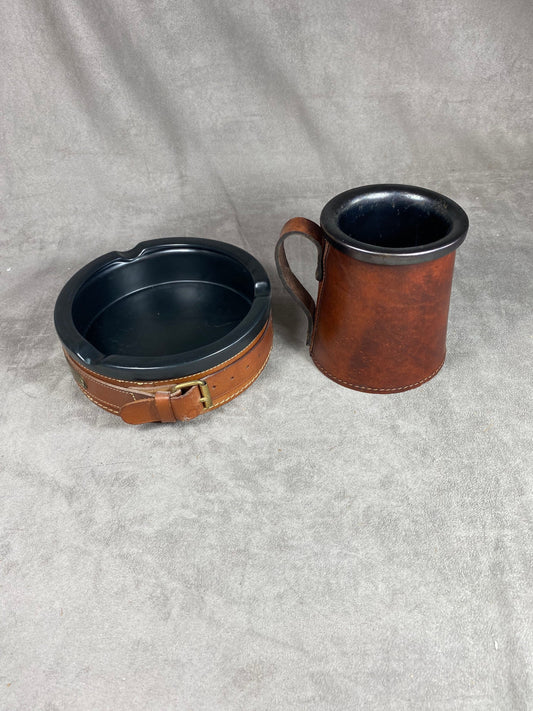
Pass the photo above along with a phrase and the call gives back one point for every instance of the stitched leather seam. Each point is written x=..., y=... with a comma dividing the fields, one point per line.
x=175, y=381
x=216, y=369
x=218, y=404
x=116, y=411
x=378, y=390
x=113, y=389
x=234, y=358
x=92, y=399
x=233, y=395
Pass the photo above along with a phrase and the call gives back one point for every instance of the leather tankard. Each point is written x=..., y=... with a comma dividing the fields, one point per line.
x=385, y=265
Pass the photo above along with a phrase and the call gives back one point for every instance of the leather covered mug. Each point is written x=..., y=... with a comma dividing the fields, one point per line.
x=385, y=265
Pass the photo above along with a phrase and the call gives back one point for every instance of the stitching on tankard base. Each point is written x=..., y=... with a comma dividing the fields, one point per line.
x=378, y=390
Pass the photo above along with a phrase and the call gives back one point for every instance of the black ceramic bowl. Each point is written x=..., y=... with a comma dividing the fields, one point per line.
x=168, y=308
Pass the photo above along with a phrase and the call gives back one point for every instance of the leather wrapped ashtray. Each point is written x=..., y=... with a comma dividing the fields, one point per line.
x=167, y=331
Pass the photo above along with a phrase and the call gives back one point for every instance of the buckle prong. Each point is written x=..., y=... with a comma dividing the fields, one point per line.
x=204, y=390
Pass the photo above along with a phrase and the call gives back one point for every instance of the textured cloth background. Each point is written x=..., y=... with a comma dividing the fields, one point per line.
x=306, y=546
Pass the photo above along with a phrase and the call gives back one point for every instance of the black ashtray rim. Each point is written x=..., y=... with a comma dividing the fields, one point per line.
x=167, y=366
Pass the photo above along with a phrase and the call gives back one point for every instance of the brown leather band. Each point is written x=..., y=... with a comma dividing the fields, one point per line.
x=309, y=229
x=164, y=400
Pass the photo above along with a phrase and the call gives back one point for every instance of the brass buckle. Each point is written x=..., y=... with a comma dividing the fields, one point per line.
x=204, y=390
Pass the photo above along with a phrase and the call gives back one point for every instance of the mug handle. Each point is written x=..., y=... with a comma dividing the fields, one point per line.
x=314, y=233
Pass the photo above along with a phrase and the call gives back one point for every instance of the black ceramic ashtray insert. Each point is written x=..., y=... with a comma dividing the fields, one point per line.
x=168, y=308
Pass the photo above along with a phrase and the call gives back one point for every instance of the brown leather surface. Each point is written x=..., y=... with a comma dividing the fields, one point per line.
x=381, y=329
x=163, y=400
x=375, y=328
x=309, y=229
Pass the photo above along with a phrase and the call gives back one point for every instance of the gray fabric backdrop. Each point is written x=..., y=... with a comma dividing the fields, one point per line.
x=306, y=546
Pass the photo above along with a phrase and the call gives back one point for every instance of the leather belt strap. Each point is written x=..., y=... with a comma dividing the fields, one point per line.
x=180, y=398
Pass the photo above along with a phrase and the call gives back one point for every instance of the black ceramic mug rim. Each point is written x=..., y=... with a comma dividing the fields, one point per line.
x=163, y=367
x=377, y=254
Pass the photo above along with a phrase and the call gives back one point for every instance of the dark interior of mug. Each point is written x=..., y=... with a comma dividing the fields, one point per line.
x=397, y=220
